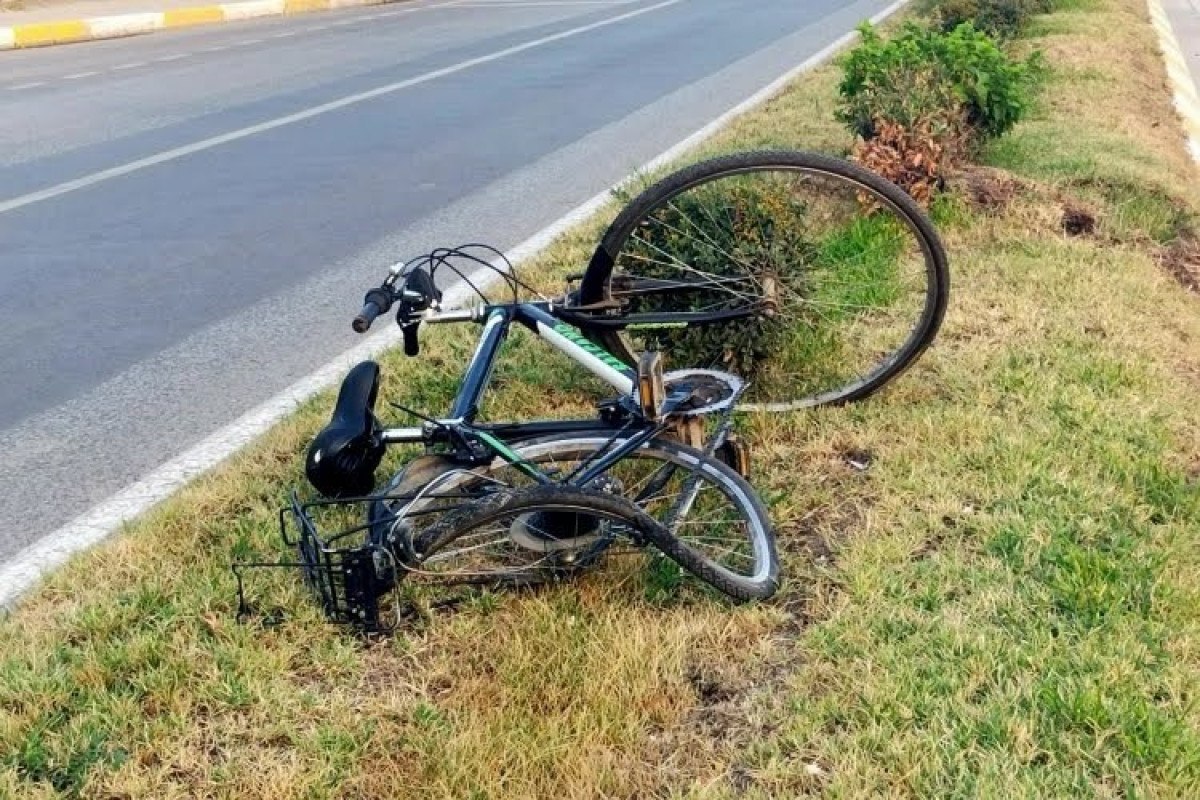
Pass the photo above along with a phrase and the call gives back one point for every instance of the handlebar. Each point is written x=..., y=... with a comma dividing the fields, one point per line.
x=362, y=323
x=419, y=300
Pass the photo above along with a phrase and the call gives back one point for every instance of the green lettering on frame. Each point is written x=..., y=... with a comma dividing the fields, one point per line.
x=567, y=332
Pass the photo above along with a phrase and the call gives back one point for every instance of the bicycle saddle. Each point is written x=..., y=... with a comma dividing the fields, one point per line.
x=342, y=458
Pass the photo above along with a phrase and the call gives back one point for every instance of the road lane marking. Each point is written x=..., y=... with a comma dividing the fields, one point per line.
x=130, y=65
x=31, y=85
x=76, y=76
x=216, y=141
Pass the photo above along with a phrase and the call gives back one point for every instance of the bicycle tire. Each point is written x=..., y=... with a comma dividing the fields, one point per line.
x=760, y=581
x=846, y=184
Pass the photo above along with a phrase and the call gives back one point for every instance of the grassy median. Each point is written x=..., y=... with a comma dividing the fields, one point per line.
x=1003, y=603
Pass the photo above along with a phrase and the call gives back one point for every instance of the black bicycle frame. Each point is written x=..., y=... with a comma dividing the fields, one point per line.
x=541, y=320
x=543, y=324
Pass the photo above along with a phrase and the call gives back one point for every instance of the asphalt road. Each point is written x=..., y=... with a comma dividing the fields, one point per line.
x=188, y=220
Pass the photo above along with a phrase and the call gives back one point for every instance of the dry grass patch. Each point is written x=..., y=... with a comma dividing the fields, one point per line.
x=991, y=568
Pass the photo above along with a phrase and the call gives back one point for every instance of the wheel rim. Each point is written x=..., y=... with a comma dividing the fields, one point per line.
x=521, y=545
x=843, y=286
x=714, y=523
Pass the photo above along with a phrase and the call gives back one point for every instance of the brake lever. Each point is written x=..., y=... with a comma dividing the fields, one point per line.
x=412, y=347
x=409, y=320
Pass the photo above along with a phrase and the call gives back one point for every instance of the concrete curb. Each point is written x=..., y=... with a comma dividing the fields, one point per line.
x=1179, y=78
x=40, y=34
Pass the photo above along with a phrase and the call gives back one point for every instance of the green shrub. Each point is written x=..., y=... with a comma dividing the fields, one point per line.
x=1000, y=18
x=956, y=85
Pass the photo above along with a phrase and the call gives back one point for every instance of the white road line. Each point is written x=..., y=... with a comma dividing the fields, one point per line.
x=21, y=86
x=207, y=144
x=76, y=76
x=245, y=42
x=130, y=65
x=174, y=57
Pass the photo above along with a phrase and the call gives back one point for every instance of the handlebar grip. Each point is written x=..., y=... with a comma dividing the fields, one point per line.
x=412, y=347
x=365, y=317
x=377, y=302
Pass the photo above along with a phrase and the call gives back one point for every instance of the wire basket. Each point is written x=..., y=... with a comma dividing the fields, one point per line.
x=348, y=559
x=346, y=571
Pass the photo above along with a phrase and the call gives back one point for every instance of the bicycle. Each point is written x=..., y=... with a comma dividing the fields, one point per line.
x=669, y=276
x=712, y=522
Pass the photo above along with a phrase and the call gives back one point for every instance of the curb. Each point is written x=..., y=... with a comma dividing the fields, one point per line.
x=1179, y=78
x=40, y=34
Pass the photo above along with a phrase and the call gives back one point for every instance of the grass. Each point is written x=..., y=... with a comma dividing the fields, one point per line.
x=1003, y=603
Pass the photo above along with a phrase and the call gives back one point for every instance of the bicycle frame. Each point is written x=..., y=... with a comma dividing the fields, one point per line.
x=539, y=318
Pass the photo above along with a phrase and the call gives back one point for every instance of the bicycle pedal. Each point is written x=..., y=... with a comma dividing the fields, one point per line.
x=651, y=387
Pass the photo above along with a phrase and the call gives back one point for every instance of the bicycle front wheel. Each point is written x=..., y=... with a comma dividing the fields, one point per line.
x=814, y=279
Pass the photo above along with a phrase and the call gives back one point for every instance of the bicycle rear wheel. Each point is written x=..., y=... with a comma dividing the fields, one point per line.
x=711, y=521
x=530, y=535
x=827, y=280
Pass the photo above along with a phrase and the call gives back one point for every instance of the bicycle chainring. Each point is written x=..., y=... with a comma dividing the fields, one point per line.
x=712, y=390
